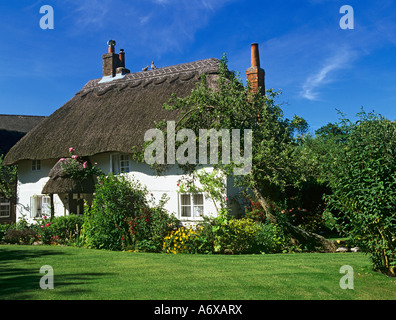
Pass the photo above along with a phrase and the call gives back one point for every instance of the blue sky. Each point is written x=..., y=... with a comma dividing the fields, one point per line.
x=318, y=66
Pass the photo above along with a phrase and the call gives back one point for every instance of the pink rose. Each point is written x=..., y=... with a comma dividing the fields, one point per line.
x=47, y=225
x=85, y=165
x=41, y=226
x=62, y=159
x=71, y=149
x=74, y=156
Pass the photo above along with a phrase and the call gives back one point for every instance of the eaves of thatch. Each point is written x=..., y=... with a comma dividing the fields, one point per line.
x=13, y=128
x=110, y=116
x=60, y=182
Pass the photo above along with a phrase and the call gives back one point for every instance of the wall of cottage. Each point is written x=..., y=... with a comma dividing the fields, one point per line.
x=31, y=183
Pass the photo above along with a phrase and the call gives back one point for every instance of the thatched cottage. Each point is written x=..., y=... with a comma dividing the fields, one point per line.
x=12, y=129
x=103, y=122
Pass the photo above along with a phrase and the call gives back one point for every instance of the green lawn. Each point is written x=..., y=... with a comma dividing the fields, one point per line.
x=94, y=274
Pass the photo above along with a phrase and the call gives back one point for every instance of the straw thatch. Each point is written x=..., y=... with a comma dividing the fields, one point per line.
x=110, y=116
x=60, y=182
x=13, y=128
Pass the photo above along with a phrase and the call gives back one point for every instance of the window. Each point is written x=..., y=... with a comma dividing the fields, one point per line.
x=40, y=206
x=120, y=163
x=124, y=163
x=36, y=165
x=4, y=207
x=191, y=205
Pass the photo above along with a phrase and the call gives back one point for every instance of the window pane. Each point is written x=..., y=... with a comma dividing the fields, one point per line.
x=5, y=211
x=186, y=211
x=185, y=199
x=198, y=211
x=198, y=199
x=124, y=163
x=115, y=160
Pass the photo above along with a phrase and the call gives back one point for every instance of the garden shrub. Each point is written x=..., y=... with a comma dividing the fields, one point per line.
x=270, y=239
x=238, y=236
x=3, y=230
x=255, y=211
x=66, y=229
x=43, y=229
x=361, y=173
x=149, y=227
x=25, y=236
x=117, y=198
x=183, y=240
x=121, y=217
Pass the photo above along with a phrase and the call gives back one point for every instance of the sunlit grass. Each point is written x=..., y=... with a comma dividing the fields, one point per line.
x=94, y=274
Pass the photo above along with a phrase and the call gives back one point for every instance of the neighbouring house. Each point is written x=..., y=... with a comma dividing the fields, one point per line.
x=12, y=129
x=103, y=122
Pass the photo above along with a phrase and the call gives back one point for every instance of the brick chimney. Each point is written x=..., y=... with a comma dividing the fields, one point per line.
x=114, y=64
x=255, y=75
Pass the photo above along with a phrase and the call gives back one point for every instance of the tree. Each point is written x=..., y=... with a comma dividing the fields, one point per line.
x=361, y=171
x=275, y=166
x=8, y=179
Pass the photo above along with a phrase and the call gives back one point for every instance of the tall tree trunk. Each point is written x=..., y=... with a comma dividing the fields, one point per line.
x=303, y=237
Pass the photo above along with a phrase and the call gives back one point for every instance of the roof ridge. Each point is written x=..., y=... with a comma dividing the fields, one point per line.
x=203, y=66
x=21, y=115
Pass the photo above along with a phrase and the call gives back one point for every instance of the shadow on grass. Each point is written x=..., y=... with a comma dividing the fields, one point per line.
x=19, y=283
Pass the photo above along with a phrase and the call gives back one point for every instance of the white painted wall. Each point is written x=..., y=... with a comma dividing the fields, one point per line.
x=31, y=183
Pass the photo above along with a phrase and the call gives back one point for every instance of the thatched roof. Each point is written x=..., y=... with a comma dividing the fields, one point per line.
x=14, y=127
x=60, y=182
x=110, y=116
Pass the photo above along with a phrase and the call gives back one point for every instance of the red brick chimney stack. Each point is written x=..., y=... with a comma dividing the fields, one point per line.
x=255, y=75
x=114, y=64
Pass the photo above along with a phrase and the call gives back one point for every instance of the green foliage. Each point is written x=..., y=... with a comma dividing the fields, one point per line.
x=78, y=168
x=117, y=198
x=122, y=218
x=238, y=236
x=234, y=106
x=8, y=179
x=186, y=240
x=149, y=228
x=361, y=171
x=3, y=230
x=211, y=184
x=254, y=211
x=25, y=236
x=270, y=239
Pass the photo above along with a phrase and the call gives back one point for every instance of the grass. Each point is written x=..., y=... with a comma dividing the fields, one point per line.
x=87, y=274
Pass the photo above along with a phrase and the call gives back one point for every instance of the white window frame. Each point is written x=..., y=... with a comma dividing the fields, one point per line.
x=40, y=205
x=120, y=163
x=36, y=165
x=192, y=206
x=5, y=203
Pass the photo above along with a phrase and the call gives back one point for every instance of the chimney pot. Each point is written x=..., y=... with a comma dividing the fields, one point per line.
x=255, y=59
x=111, y=44
x=121, y=56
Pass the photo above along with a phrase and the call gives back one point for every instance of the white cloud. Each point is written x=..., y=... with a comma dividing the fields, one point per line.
x=340, y=60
